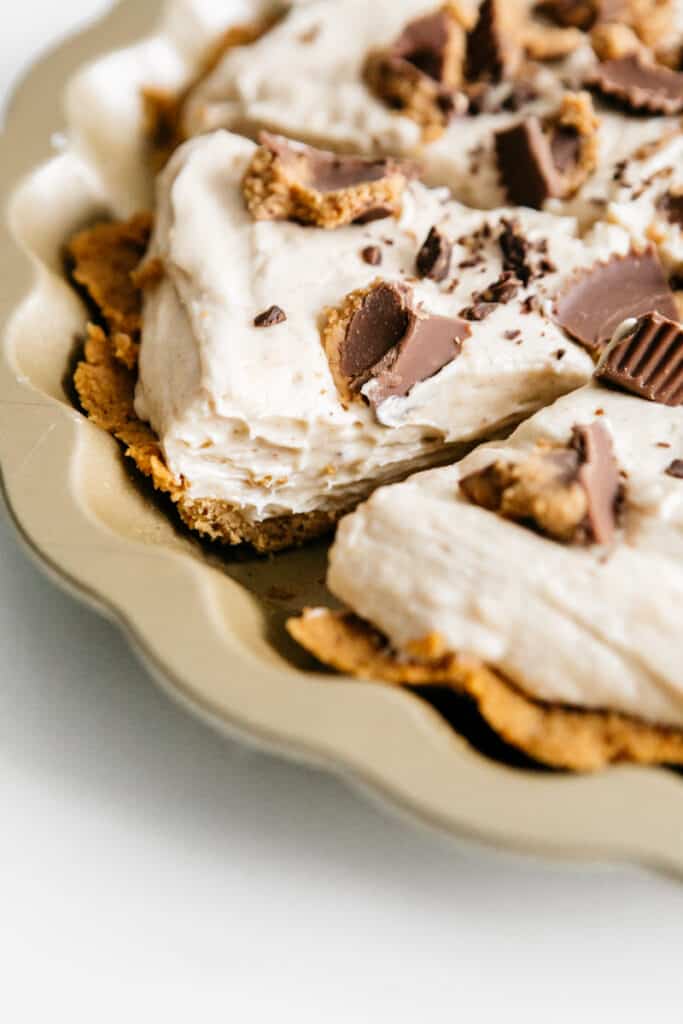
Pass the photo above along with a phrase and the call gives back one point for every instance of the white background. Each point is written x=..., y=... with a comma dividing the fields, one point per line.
x=150, y=871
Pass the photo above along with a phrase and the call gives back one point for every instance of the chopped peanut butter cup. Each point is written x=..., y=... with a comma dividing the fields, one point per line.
x=290, y=181
x=421, y=73
x=640, y=85
x=601, y=297
x=494, y=45
x=377, y=336
x=570, y=494
x=647, y=361
x=539, y=162
x=584, y=14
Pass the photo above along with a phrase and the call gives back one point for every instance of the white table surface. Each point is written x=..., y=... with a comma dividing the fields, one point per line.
x=150, y=871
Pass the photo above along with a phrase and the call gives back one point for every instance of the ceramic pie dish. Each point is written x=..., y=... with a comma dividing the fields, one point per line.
x=210, y=627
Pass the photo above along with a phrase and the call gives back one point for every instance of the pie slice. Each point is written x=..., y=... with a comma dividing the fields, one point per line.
x=541, y=576
x=294, y=355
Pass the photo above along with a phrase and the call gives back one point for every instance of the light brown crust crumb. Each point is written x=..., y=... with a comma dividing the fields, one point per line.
x=103, y=260
x=577, y=113
x=583, y=741
x=550, y=42
x=163, y=110
x=612, y=41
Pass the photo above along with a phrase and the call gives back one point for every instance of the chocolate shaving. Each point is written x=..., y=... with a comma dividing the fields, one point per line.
x=491, y=51
x=429, y=344
x=603, y=296
x=640, y=85
x=486, y=302
x=647, y=362
x=515, y=249
x=372, y=254
x=272, y=316
x=434, y=258
x=675, y=469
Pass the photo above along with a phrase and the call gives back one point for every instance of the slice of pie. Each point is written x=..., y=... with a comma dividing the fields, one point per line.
x=543, y=575
x=314, y=326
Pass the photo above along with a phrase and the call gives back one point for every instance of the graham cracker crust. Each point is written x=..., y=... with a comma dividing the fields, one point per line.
x=553, y=735
x=105, y=262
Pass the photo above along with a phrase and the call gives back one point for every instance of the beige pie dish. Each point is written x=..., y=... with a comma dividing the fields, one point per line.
x=211, y=629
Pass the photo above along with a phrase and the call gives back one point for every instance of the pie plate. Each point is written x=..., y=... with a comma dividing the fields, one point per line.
x=209, y=625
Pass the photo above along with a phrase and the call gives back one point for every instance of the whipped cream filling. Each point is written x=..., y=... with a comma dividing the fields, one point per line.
x=252, y=416
x=304, y=79
x=590, y=627
x=647, y=199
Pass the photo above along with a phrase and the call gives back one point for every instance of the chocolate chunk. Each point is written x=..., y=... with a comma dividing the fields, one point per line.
x=526, y=164
x=539, y=162
x=493, y=51
x=434, y=258
x=272, y=316
x=378, y=335
x=421, y=73
x=600, y=479
x=372, y=254
x=603, y=296
x=429, y=344
x=512, y=335
x=640, y=85
x=378, y=325
x=675, y=469
x=290, y=181
x=569, y=494
x=672, y=207
x=424, y=43
x=515, y=249
x=647, y=362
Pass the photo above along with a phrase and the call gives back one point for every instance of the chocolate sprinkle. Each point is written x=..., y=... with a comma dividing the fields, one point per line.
x=603, y=296
x=372, y=254
x=640, y=85
x=675, y=469
x=648, y=362
x=272, y=316
x=515, y=249
x=434, y=258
